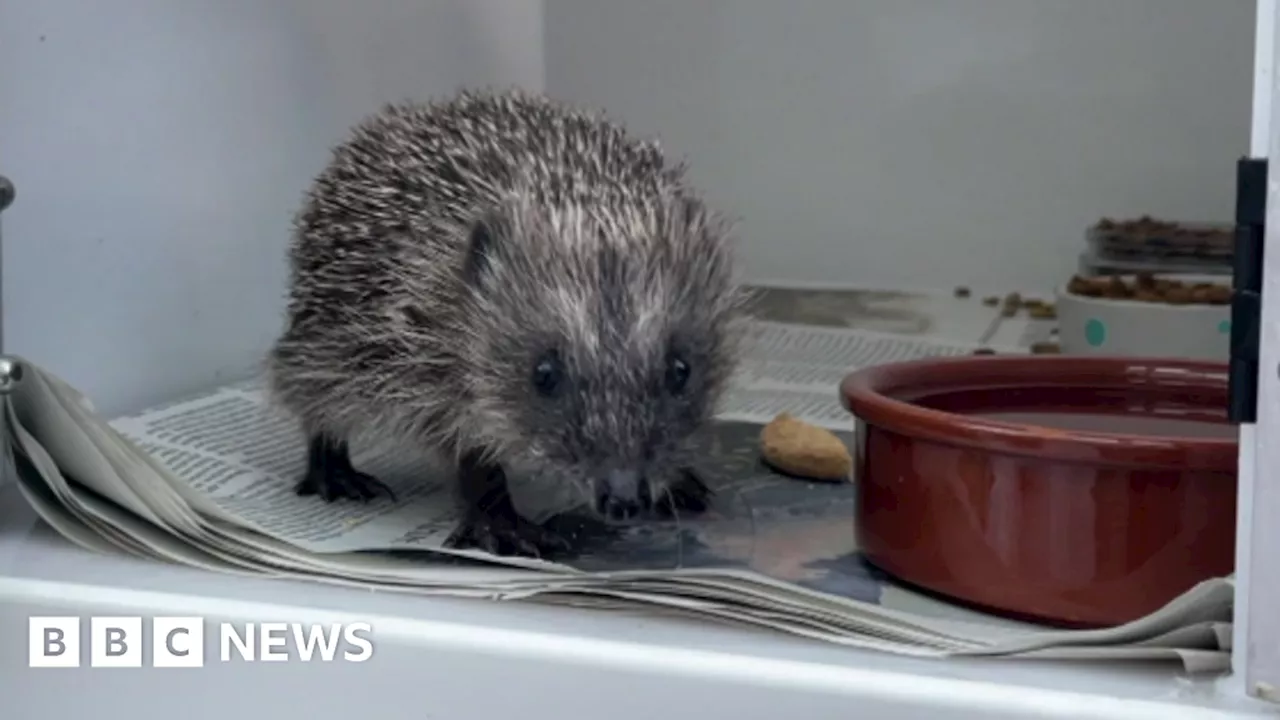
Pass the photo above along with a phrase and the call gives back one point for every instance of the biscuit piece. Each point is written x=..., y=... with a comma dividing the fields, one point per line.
x=797, y=448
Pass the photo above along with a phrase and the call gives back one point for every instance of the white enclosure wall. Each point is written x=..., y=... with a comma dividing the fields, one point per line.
x=926, y=143
x=159, y=149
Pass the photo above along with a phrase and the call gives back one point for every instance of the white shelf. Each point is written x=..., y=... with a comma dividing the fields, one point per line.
x=445, y=658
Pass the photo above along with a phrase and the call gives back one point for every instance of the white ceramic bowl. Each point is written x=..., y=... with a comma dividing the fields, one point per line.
x=1102, y=326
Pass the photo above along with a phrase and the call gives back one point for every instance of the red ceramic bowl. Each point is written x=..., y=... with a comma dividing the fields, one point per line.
x=1074, y=491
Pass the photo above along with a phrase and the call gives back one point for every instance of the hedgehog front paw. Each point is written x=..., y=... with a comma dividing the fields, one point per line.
x=334, y=482
x=507, y=534
x=687, y=495
x=331, y=475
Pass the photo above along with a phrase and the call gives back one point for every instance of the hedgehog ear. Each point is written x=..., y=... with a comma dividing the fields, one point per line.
x=482, y=243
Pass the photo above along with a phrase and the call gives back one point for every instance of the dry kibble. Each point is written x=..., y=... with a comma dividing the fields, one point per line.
x=1117, y=288
x=1216, y=294
x=991, y=300
x=962, y=292
x=1043, y=312
x=1045, y=348
x=1083, y=287
x=1148, y=288
x=1145, y=227
x=797, y=448
x=1012, y=303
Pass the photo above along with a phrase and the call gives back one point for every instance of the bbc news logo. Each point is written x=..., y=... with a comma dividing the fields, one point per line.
x=179, y=642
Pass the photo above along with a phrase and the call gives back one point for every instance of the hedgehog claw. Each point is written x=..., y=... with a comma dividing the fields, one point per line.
x=492, y=522
x=507, y=534
x=341, y=484
x=331, y=475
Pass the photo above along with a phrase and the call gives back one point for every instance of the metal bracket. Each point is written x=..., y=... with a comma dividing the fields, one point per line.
x=10, y=374
x=10, y=369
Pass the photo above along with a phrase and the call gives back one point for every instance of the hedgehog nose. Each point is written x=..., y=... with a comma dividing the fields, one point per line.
x=621, y=494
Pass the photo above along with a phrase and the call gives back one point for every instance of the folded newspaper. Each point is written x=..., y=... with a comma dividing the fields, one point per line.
x=207, y=482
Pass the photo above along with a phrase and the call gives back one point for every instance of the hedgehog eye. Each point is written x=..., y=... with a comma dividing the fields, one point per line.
x=547, y=373
x=677, y=374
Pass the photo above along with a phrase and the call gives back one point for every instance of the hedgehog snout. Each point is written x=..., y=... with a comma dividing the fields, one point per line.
x=621, y=493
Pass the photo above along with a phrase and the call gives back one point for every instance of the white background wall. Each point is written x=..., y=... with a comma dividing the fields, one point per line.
x=926, y=142
x=160, y=147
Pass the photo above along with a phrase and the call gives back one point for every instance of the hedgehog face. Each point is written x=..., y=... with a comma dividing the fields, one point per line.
x=610, y=338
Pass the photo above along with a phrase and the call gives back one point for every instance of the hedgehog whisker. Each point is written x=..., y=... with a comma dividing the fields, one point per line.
x=675, y=516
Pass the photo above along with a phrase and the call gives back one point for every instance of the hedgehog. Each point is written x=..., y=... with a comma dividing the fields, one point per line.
x=522, y=286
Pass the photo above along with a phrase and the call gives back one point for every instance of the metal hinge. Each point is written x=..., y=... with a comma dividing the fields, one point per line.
x=1246, y=297
x=10, y=370
x=7, y=193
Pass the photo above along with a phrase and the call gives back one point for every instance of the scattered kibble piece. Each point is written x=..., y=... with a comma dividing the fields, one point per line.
x=798, y=448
